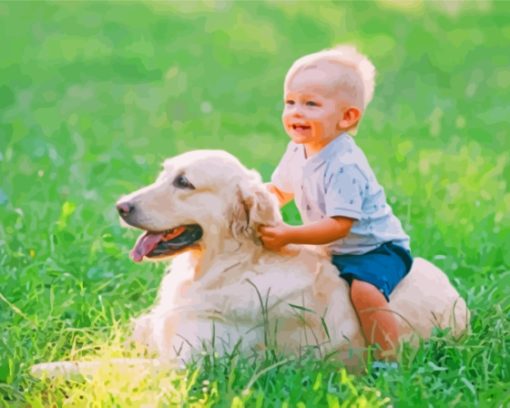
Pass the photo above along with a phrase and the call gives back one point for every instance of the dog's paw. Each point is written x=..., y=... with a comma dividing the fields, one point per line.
x=143, y=332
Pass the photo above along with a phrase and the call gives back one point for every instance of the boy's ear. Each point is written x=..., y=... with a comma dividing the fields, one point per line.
x=350, y=118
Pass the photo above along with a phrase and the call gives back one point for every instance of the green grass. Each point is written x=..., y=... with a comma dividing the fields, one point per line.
x=94, y=95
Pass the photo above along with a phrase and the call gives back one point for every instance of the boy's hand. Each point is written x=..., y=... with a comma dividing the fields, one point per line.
x=274, y=238
x=317, y=233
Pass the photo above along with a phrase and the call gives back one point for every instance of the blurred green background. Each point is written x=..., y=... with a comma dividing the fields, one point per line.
x=94, y=95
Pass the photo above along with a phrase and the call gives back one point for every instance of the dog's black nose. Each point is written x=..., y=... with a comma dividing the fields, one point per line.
x=125, y=208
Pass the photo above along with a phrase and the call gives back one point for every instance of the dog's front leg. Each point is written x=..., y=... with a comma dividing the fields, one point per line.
x=143, y=332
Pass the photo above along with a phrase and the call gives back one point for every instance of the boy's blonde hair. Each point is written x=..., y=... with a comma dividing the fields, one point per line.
x=356, y=73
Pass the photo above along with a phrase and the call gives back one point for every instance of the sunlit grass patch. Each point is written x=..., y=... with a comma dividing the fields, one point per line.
x=234, y=380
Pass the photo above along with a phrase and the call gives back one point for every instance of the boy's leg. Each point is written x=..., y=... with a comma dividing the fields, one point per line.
x=379, y=325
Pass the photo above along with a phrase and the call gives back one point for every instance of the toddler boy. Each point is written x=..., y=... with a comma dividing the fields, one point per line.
x=340, y=201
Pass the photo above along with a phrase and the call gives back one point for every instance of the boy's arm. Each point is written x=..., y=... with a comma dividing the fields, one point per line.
x=283, y=197
x=317, y=233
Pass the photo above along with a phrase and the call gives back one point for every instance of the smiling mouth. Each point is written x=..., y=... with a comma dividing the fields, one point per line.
x=165, y=243
x=300, y=128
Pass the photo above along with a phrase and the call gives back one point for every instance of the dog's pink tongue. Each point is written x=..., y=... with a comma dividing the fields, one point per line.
x=145, y=244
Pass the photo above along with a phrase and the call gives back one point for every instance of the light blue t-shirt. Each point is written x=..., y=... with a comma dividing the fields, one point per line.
x=338, y=181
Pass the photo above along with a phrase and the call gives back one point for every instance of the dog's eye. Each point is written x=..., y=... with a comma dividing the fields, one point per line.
x=182, y=182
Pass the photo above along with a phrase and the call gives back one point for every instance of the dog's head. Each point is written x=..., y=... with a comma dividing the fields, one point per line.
x=201, y=198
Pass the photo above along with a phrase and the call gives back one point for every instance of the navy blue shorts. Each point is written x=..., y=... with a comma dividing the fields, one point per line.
x=384, y=267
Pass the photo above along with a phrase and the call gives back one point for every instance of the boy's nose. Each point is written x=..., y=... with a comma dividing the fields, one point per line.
x=296, y=111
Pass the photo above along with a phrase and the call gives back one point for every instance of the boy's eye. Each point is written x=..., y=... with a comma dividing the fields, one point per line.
x=289, y=102
x=311, y=103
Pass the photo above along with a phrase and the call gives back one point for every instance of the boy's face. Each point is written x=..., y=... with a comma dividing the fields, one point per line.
x=313, y=108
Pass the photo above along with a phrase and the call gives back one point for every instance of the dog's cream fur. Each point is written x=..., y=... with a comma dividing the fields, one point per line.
x=227, y=291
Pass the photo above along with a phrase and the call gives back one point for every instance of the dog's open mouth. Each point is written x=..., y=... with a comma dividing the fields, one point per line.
x=158, y=244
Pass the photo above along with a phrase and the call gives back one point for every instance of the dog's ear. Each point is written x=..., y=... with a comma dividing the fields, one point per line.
x=254, y=206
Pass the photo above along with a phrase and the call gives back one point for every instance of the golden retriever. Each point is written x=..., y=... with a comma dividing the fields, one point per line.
x=225, y=291
x=223, y=286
